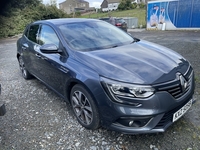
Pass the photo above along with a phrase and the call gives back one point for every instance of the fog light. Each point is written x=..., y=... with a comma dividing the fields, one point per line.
x=131, y=123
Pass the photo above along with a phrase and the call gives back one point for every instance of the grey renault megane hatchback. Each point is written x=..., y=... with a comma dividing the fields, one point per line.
x=110, y=78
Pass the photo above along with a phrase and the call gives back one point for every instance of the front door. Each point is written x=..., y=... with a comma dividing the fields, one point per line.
x=51, y=65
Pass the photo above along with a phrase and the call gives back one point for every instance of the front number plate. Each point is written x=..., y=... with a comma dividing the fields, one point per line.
x=182, y=111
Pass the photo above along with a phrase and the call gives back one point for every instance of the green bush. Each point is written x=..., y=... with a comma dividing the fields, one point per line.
x=78, y=14
x=134, y=5
x=15, y=23
x=142, y=5
x=125, y=5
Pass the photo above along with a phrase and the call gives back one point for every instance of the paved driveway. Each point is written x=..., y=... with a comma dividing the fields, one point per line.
x=38, y=119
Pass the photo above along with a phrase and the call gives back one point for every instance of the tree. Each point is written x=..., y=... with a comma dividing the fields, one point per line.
x=14, y=20
x=13, y=5
x=53, y=2
x=122, y=5
x=125, y=5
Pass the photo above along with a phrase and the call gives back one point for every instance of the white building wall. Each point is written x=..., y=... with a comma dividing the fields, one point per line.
x=104, y=9
x=113, y=6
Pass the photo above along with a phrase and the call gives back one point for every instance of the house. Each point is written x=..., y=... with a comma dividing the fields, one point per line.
x=109, y=5
x=71, y=6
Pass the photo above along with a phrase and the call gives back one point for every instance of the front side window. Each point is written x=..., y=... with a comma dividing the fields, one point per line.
x=48, y=36
x=33, y=32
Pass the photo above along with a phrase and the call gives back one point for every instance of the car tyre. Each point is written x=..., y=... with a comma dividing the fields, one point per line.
x=25, y=73
x=84, y=107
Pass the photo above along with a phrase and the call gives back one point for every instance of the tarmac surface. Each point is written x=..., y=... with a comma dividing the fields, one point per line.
x=38, y=119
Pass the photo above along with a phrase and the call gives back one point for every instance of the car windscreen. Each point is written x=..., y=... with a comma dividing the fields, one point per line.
x=93, y=35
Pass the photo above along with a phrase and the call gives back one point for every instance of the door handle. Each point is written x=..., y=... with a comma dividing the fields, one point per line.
x=24, y=46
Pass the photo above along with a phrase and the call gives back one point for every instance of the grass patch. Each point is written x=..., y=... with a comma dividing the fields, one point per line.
x=139, y=13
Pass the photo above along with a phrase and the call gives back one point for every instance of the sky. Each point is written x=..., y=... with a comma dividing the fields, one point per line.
x=93, y=3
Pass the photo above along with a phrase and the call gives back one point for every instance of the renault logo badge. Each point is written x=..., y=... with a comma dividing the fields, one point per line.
x=183, y=81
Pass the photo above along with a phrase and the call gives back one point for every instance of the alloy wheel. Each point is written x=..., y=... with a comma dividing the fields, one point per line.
x=25, y=73
x=82, y=107
x=22, y=67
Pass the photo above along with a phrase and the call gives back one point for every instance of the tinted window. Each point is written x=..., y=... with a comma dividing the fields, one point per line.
x=33, y=32
x=48, y=36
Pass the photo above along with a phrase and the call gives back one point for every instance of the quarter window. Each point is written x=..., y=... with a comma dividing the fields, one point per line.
x=48, y=36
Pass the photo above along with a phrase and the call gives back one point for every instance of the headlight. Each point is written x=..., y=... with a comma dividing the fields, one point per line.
x=120, y=89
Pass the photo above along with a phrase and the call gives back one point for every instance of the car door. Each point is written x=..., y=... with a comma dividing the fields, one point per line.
x=29, y=44
x=53, y=71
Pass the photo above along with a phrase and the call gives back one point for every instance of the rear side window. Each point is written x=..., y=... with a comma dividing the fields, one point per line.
x=33, y=33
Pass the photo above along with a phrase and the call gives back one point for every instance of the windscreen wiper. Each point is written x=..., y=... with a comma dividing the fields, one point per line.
x=135, y=40
x=113, y=46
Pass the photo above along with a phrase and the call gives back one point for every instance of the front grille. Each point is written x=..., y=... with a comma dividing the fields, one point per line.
x=175, y=88
x=167, y=118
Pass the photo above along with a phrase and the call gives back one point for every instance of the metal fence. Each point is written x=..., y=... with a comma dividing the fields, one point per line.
x=132, y=22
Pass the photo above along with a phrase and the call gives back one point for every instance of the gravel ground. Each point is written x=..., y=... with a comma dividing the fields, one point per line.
x=37, y=119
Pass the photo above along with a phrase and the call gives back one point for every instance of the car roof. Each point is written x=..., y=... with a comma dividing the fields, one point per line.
x=64, y=20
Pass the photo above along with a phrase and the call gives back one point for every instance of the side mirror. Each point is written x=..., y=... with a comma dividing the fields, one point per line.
x=49, y=49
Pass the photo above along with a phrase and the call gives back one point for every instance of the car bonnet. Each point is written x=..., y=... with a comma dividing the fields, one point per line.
x=142, y=63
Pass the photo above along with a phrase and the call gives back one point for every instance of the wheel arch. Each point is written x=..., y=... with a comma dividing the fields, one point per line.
x=71, y=83
x=18, y=54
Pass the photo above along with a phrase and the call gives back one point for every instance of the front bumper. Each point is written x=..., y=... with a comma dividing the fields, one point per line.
x=156, y=123
x=154, y=114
